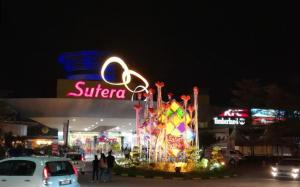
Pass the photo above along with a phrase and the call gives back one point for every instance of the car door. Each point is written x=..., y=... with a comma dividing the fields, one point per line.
x=5, y=169
x=17, y=173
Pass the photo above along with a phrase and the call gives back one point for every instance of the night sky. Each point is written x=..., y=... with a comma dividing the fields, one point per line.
x=208, y=45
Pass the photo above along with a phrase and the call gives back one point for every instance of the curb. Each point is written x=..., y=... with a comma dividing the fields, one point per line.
x=175, y=178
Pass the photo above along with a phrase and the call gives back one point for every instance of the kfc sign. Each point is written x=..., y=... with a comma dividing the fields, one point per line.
x=239, y=113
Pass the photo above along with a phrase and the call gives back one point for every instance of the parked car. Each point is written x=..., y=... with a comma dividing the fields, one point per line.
x=38, y=171
x=233, y=157
x=286, y=168
x=77, y=160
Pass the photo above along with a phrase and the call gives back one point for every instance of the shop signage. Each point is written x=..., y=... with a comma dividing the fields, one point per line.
x=244, y=113
x=55, y=150
x=267, y=116
x=90, y=89
x=81, y=90
x=232, y=117
x=229, y=121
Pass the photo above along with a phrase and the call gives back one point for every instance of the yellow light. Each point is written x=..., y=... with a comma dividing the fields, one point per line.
x=177, y=120
x=180, y=164
x=175, y=151
x=176, y=133
x=174, y=106
x=170, y=128
x=126, y=75
x=187, y=119
x=43, y=142
x=162, y=118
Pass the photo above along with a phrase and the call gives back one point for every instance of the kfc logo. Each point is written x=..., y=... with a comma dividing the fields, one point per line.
x=235, y=113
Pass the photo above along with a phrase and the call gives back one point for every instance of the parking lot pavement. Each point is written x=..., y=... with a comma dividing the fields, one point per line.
x=253, y=170
x=119, y=181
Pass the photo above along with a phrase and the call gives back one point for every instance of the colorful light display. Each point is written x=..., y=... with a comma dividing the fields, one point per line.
x=169, y=129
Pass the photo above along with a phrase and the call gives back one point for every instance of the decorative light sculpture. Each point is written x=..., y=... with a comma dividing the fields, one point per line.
x=170, y=128
x=126, y=76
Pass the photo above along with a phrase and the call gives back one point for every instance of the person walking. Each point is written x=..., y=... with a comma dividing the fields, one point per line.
x=95, y=168
x=127, y=153
x=103, y=167
x=110, y=164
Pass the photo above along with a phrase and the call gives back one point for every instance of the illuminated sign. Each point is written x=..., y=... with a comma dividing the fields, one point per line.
x=82, y=90
x=258, y=116
x=229, y=121
x=244, y=113
x=232, y=117
x=89, y=89
x=84, y=65
x=267, y=116
x=126, y=76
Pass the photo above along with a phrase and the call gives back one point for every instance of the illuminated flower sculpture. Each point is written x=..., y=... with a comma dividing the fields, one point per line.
x=168, y=129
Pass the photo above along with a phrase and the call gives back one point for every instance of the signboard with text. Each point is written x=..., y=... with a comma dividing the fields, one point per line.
x=267, y=116
x=232, y=117
x=90, y=89
x=255, y=116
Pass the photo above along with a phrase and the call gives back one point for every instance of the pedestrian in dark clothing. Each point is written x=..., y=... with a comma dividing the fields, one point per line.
x=127, y=153
x=95, y=167
x=110, y=164
x=102, y=167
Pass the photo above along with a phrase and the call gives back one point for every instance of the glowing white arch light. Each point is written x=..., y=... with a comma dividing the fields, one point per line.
x=126, y=76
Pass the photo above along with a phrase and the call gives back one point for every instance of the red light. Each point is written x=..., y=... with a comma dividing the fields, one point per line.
x=45, y=173
x=75, y=171
x=82, y=158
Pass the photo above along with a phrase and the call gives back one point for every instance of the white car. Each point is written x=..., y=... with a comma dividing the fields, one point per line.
x=287, y=168
x=38, y=171
x=78, y=160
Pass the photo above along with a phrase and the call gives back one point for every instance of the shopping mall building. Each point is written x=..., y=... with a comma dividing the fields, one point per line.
x=94, y=115
x=87, y=112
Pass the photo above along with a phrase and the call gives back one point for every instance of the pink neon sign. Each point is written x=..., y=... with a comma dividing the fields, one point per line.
x=81, y=90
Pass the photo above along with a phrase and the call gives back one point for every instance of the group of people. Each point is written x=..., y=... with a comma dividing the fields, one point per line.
x=102, y=168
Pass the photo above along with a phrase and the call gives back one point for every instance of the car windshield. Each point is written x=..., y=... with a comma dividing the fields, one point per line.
x=74, y=156
x=59, y=168
x=290, y=162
